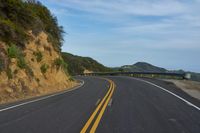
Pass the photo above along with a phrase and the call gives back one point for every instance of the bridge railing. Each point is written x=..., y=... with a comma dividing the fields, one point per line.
x=142, y=74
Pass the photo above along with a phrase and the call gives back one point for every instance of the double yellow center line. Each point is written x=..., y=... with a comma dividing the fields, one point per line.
x=102, y=105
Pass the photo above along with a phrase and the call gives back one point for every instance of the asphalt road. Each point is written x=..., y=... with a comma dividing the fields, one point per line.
x=122, y=105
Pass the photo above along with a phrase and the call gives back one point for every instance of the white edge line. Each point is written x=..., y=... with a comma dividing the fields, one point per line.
x=184, y=100
x=43, y=98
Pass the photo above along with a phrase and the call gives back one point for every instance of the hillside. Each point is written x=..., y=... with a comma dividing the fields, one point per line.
x=78, y=65
x=30, y=59
x=142, y=67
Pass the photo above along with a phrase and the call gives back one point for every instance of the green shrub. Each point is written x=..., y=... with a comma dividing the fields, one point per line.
x=38, y=56
x=59, y=62
x=1, y=65
x=29, y=71
x=71, y=79
x=44, y=68
x=9, y=73
x=21, y=63
x=13, y=51
x=17, y=17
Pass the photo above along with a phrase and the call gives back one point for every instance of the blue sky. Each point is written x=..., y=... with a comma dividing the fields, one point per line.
x=165, y=33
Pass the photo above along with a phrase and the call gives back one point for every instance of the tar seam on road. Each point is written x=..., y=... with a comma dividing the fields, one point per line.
x=184, y=100
x=102, y=106
x=42, y=98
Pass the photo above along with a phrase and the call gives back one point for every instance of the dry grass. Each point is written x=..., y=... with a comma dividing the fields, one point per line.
x=13, y=97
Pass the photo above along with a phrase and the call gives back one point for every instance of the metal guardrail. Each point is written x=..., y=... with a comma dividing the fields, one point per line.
x=179, y=75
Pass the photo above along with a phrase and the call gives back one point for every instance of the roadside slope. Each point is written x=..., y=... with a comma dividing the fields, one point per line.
x=30, y=60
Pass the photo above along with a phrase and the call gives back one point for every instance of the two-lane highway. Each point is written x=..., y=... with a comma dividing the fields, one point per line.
x=67, y=112
x=117, y=105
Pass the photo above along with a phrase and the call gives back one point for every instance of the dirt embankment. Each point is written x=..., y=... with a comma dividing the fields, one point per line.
x=190, y=87
x=33, y=74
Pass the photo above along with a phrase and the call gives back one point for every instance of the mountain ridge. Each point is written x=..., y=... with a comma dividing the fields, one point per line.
x=78, y=65
x=143, y=67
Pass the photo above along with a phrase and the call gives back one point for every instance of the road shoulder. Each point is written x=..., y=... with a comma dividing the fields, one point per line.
x=190, y=87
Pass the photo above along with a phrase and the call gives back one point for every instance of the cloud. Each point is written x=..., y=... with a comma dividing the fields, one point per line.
x=129, y=7
x=128, y=26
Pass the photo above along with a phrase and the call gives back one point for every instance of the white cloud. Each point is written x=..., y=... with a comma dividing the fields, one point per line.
x=129, y=7
x=135, y=24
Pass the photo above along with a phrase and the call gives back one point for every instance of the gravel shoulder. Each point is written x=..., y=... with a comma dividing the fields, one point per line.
x=190, y=87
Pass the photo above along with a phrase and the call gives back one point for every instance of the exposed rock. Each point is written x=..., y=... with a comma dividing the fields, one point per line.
x=30, y=81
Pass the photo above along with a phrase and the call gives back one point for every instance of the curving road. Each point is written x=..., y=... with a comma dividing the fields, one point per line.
x=106, y=105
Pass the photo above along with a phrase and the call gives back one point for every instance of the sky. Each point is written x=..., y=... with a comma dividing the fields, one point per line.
x=165, y=33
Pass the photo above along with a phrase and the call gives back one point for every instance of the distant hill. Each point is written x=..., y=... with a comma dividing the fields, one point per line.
x=142, y=67
x=146, y=67
x=78, y=65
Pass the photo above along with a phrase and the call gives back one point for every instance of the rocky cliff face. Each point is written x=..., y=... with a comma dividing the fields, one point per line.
x=33, y=70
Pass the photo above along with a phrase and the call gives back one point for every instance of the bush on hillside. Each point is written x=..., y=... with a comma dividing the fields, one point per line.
x=21, y=63
x=44, y=68
x=38, y=56
x=61, y=63
x=1, y=65
x=17, y=17
x=9, y=73
x=13, y=51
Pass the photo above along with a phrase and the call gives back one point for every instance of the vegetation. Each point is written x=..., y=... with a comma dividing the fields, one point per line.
x=13, y=51
x=29, y=71
x=77, y=64
x=61, y=63
x=38, y=56
x=17, y=17
x=1, y=65
x=9, y=73
x=44, y=68
x=21, y=63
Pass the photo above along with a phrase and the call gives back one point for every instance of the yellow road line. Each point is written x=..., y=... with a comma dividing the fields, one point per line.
x=96, y=123
x=84, y=129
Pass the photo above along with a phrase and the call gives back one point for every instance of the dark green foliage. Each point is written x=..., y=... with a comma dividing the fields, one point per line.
x=13, y=51
x=71, y=79
x=9, y=73
x=38, y=56
x=21, y=63
x=77, y=64
x=1, y=65
x=44, y=68
x=61, y=63
x=18, y=17
x=29, y=71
